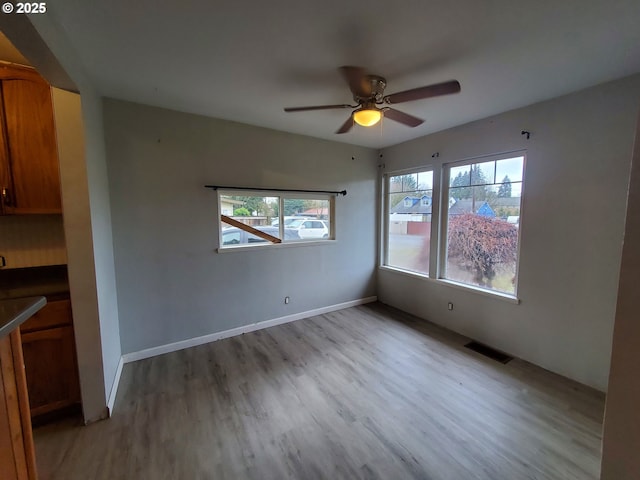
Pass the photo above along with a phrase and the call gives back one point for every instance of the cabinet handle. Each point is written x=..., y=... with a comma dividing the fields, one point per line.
x=6, y=198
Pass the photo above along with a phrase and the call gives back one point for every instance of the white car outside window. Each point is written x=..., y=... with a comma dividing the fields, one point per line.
x=308, y=229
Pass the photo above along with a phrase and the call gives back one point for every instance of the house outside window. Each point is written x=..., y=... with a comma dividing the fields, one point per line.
x=475, y=227
x=408, y=221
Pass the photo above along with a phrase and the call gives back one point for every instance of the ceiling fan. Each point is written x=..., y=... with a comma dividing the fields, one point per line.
x=368, y=93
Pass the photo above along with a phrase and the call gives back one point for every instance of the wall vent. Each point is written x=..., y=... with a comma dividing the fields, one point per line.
x=489, y=352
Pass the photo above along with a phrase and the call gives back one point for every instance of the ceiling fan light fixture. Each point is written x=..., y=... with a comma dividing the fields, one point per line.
x=368, y=92
x=367, y=117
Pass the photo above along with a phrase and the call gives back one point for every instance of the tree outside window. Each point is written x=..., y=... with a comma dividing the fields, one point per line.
x=483, y=223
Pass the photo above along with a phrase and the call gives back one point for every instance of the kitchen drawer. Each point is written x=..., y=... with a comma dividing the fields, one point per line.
x=53, y=314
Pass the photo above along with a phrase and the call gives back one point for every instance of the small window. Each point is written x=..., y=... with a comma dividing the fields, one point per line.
x=283, y=219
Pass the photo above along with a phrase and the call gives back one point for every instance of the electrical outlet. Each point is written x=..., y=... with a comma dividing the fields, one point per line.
x=450, y=306
x=286, y=300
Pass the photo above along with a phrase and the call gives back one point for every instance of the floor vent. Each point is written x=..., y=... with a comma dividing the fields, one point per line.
x=489, y=352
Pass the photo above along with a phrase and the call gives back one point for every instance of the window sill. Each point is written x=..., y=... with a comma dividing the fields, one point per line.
x=482, y=291
x=450, y=283
x=407, y=273
x=245, y=248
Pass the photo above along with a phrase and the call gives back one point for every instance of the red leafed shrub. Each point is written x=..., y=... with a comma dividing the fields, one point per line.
x=479, y=243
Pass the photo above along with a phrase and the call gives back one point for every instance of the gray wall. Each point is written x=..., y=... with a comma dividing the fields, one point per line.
x=172, y=285
x=572, y=226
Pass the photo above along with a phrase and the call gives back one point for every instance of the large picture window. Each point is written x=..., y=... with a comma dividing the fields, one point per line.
x=408, y=226
x=472, y=238
x=483, y=222
x=250, y=218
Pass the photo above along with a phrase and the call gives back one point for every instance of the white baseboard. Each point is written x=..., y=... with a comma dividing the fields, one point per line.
x=193, y=342
x=114, y=387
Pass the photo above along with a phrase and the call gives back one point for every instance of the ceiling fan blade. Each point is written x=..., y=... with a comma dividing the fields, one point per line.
x=401, y=117
x=356, y=78
x=346, y=126
x=317, y=107
x=438, y=89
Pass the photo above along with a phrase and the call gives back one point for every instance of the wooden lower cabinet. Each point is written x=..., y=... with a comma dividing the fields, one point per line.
x=17, y=453
x=50, y=359
x=52, y=375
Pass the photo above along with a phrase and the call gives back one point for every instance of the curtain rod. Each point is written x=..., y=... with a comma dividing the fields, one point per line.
x=216, y=187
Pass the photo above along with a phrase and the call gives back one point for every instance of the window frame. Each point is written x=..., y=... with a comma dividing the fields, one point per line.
x=444, y=220
x=439, y=224
x=281, y=196
x=386, y=189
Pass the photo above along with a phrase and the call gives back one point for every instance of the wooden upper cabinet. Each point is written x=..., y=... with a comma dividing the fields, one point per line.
x=29, y=170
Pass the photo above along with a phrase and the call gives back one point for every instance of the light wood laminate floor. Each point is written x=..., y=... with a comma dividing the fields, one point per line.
x=363, y=393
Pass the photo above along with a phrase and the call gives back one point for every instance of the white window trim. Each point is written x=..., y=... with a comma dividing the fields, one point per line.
x=261, y=246
x=444, y=222
x=281, y=197
x=439, y=221
x=452, y=284
x=384, y=244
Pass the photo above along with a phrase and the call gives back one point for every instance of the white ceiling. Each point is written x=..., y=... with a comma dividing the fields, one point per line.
x=246, y=60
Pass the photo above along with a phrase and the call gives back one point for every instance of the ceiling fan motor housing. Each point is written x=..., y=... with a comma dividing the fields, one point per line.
x=376, y=85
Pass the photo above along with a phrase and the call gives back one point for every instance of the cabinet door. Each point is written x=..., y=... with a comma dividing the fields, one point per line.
x=52, y=373
x=17, y=454
x=6, y=185
x=31, y=144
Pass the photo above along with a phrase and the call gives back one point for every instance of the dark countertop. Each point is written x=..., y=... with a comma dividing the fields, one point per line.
x=14, y=313
x=28, y=282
